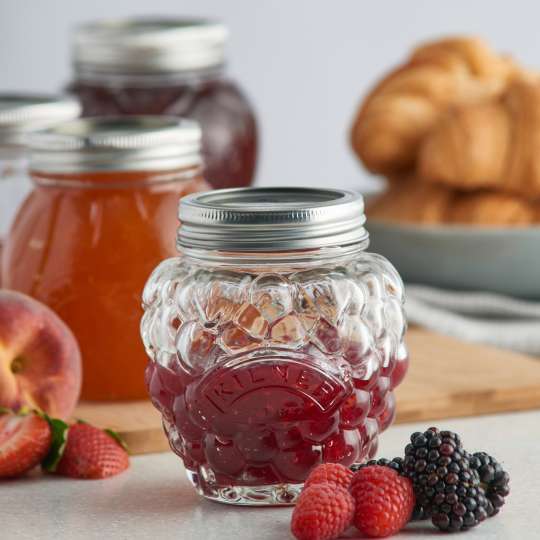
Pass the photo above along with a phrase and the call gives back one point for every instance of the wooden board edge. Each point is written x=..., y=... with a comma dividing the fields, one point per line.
x=149, y=441
x=464, y=405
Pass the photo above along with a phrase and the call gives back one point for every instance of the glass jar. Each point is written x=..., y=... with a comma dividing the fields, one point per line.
x=172, y=67
x=100, y=217
x=21, y=114
x=275, y=340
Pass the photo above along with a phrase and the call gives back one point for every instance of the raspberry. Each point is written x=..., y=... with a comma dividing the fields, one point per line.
x=323, y=512
x=330, y=473
x=419, y=512
x=384, y=500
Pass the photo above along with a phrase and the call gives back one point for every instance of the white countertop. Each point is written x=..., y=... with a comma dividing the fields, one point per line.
x=153, y=500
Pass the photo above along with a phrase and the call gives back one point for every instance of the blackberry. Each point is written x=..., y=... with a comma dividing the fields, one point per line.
x=396, y=464
x=493, y=479
x=446, y=487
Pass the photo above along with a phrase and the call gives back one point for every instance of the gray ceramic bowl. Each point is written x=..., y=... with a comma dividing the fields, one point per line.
x=505, y=261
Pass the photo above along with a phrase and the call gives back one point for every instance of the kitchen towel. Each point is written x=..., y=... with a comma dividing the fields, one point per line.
x=478, y=317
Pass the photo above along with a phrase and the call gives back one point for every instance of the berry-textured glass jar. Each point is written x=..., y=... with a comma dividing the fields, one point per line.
x=171, y=67
x=275, y=340
x=21, y=114
x=101, y=215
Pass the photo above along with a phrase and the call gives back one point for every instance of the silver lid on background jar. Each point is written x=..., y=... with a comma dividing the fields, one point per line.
x=134, y=143
x=271, y=219
x=21, y=114
x=148, y=46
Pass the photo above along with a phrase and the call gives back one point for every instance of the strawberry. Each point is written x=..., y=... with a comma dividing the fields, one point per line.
x=25, y=440
x=89, y=453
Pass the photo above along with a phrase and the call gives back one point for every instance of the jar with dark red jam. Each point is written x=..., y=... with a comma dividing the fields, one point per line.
x=169, y=67
x=275, y=340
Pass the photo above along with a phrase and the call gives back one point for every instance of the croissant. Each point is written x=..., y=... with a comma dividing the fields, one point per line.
x=413, y=201
x=493, y=145
x=402, y=108
x=491, y=209
x=409, y=201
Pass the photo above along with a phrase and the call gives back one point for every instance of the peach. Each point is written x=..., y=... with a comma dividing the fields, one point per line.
x=40, y=362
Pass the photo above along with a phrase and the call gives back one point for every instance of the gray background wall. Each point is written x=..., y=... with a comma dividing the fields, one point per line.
x=304, y=63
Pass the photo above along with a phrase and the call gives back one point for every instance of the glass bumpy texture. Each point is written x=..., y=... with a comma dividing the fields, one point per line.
x=261, y=376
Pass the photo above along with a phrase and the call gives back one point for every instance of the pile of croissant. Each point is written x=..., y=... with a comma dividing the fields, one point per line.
x=456, y=130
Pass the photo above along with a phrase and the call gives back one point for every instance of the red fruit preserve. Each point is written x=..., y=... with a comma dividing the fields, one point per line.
x=169, y=67
x=269, y=356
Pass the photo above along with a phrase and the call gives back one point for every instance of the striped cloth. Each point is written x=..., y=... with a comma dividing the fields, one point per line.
x=478, y=317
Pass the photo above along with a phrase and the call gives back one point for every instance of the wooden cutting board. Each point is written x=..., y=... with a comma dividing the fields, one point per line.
x=447, y=378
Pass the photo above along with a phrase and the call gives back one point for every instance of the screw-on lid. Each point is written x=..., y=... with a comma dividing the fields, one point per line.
x=271, y=219
x=136, y=143
x=21, y=114
x=148, y=46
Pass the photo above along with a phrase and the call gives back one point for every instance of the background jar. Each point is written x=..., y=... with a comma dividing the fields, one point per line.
x=275, y=340
x=21, y=114
x=100, y=216
x=172, y=67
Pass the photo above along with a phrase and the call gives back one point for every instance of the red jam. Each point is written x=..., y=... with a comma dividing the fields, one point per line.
x=270, y=422
x=265, y=363
x=229, y=131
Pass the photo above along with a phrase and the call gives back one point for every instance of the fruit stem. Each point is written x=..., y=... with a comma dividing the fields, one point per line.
x=17, y=365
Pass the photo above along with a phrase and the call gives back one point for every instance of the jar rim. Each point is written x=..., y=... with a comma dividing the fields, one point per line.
x=22, y=113
x=144, y=45
x=127, y=143
x=258, y=220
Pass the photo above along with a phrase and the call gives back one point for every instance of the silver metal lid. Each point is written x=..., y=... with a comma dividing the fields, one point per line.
x=271, y=219
x=148, y=46
x=136, y=143
x=21, y=114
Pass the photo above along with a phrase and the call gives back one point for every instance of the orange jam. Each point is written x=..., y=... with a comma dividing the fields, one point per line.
x=84, y=245
x=101, y=215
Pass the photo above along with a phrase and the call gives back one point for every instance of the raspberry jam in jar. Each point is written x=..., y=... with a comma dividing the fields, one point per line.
x=172, y=67
x=274, y=340
x=101, y=215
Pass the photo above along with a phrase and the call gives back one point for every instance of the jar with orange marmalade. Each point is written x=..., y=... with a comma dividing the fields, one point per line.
x=101, y=215
x=173, y=67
